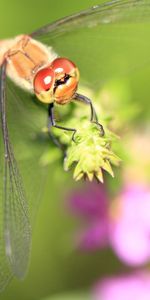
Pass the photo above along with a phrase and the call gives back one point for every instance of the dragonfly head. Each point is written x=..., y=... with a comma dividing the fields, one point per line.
x=57, y=82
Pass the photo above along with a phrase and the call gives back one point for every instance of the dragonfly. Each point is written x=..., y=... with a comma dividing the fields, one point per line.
x=35, y=67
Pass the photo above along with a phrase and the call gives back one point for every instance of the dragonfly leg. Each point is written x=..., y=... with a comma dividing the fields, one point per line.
x=53, y=123
x=93, y=118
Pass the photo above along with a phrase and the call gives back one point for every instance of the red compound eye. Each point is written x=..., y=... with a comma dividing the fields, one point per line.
x=44, y=80
x=63, y=66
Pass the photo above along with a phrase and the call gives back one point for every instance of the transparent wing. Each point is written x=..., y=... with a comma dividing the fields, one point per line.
x=27, y=120
x=117, y=11
x=107, y=42
x=16, y=225
x=22, y=180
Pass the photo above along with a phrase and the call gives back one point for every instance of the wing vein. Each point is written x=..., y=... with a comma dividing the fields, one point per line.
x=17, y=230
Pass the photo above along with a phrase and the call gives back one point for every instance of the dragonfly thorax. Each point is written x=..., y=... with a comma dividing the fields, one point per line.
x=24, y=57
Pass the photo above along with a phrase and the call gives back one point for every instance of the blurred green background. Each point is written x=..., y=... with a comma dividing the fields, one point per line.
x=25, y=17
x=112, y=53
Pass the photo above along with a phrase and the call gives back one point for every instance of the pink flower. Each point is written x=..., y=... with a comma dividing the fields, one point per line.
x=129, y=232
x=123, y=223
x=127, y=287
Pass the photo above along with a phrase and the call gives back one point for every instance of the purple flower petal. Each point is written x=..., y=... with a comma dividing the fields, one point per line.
x=91, y=204
x=94, y=237
x=90, y=201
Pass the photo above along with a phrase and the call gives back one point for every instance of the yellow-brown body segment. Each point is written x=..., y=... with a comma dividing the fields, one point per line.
x=24, y=56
